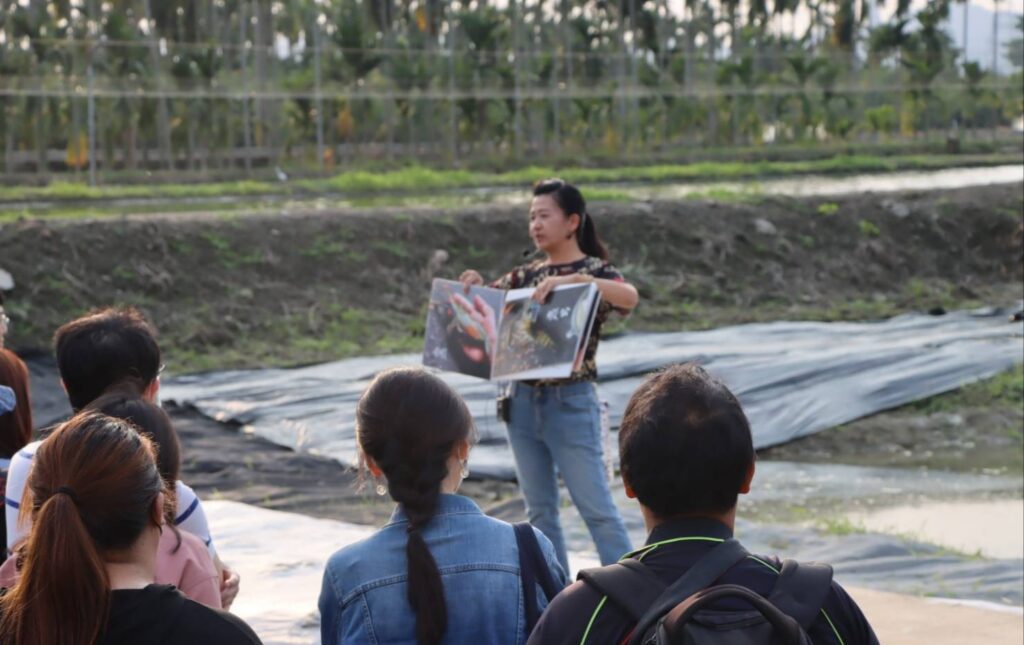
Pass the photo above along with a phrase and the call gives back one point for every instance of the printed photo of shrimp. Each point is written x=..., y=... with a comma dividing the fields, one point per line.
x=461, y=332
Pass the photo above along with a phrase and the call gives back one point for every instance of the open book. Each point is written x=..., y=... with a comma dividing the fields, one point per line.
x=506, y=335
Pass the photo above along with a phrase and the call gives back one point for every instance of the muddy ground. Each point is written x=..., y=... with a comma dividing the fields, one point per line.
x=222, y=462
x=979, y=428
x=271, y=290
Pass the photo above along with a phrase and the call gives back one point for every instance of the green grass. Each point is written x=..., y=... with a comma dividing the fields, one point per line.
x=843, y=526
x=92, y=209
x=417, y=178
x=839, y=526
x=663, y=310
x=725, y=195
x=828, y=208
x=340, y=331
x=1006, y=389
x=869, y=228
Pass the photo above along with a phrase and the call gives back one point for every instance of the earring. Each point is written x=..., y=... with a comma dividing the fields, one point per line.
x=382, y=490
x=465, y=469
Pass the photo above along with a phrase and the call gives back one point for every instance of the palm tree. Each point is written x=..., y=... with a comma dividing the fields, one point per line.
x=1015, y=48
x=995, y=38
x=967, y=10
x=803, y=70
x=163, y=114
x=42, y=30
x=123, y=63
x=922, y=54
x=844, y=25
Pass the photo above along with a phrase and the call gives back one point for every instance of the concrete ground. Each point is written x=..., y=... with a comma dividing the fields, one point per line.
x=909, y=620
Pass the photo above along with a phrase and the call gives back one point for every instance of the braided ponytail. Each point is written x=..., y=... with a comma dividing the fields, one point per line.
x=410, y=422
x=425, y=589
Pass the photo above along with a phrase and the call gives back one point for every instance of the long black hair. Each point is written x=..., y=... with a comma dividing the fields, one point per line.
x=570, y=200
x=122, y=402
x=409, y=422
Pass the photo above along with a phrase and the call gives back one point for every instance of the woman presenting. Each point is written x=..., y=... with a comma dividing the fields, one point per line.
x=555, y=425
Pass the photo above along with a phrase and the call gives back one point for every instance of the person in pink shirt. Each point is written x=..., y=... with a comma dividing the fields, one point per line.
x=183, y=561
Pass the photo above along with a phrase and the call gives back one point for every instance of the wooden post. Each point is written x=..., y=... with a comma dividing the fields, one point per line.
x=246, y=123
x=517, y=125
x=317, y=45
x=91, y=109
x=453, y=117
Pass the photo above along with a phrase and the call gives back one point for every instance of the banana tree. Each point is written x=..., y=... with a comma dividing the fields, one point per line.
x=32, y=23
x=122, y=62
x=803, y=69
x=484, y=31
x=923, y=54
x=195, y=69
x=741, y=79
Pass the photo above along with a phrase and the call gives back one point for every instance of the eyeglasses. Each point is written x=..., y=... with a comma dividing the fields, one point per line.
x=160, y=370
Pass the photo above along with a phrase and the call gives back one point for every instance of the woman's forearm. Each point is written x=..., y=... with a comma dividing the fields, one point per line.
x=619, y=294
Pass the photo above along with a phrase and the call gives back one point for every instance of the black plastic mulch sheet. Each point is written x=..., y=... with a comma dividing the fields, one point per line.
x=793, y=378
x=899, y=562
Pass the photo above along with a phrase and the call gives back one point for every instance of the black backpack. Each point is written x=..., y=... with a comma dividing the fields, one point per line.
x=682, y=613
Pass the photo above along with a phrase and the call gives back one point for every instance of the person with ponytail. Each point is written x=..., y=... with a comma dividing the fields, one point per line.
x=97, y=503
x=440, y=571
x=111, y=350
x=554, y=425
x=182, y=559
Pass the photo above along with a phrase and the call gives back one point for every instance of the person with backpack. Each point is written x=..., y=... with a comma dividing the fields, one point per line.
x=686, y=455
x=440, y=571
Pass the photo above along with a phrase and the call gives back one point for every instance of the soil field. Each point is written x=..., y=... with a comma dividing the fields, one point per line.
x=265, y=290
x=270, y=290
x=979, y=428
x=222, y=462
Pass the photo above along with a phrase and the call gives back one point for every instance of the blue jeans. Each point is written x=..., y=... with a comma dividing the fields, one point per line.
x=557, y=429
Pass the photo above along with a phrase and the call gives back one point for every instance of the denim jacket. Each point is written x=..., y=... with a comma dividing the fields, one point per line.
x=363, y=598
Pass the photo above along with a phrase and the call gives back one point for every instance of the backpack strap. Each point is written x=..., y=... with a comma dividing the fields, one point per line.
x=785, y=629
x=629, y=584
x=700, y=576
x=801, y=590
x=533, y=571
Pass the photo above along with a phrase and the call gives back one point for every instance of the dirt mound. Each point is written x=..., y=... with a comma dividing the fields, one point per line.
x=259, y=290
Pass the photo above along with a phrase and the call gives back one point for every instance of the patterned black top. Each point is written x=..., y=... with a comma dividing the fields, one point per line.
x=530, y=275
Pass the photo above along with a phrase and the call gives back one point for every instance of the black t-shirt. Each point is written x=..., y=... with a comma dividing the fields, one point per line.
x=567, y=618
x=162, y=615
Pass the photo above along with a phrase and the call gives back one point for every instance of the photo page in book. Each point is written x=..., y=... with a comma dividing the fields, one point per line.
x=506, y=335
x=462, y=328
x=544, y=341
